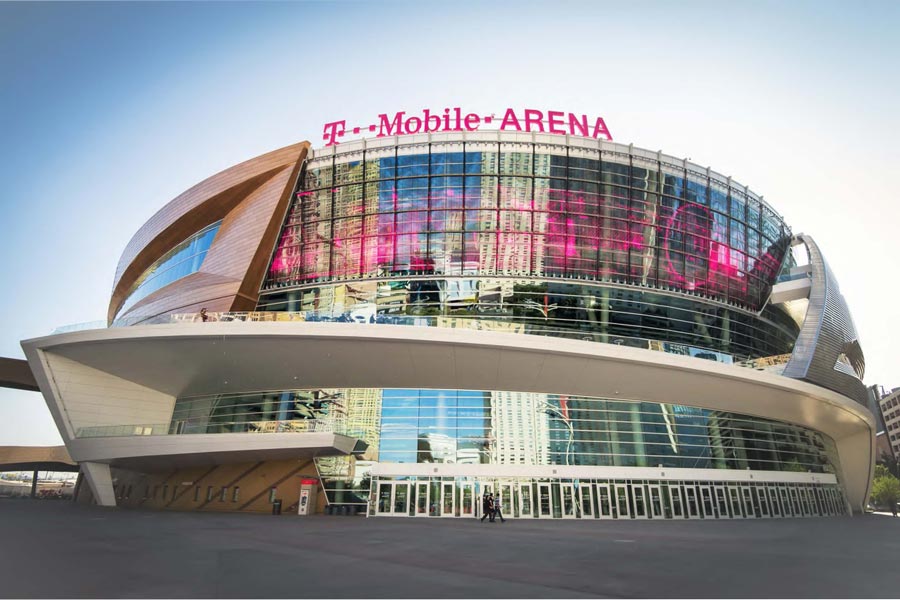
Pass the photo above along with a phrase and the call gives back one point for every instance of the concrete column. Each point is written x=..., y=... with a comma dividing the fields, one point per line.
x=34, y=480
x=99, y=478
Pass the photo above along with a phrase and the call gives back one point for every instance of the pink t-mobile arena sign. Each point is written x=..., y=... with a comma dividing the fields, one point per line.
x=453, y=119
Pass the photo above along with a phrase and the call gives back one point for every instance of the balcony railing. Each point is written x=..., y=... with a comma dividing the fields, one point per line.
x=774, y=364
x=197, y=428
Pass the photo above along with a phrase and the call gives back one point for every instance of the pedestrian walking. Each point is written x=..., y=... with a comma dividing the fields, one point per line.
x=497, y=509
x=487, y=507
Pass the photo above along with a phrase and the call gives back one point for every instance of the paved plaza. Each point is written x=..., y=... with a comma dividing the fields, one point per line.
x=58, y=549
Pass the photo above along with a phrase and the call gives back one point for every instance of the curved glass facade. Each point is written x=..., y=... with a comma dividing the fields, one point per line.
x=612, y=245
x=180, y=261
x=619, y=315
x=516, y=428
x=529, y=210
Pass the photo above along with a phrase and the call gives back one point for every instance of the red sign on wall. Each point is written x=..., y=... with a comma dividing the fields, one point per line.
x=452, y=119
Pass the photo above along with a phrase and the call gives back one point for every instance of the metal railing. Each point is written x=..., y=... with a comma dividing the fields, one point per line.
x=188, y=428
x=774, y=364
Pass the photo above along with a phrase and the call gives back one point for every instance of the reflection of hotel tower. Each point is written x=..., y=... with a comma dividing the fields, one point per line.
x=505, y=245
x=521, y=428
x=364, y=418
x=354, y=240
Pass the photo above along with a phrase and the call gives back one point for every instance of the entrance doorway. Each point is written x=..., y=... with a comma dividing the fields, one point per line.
x=569, y=501
x=423, y=499
x=448, y=499
x=526, y=500
x=393, y=498
x=587, y=501
x=655, y=502
x=545, y=501
x=604, y=501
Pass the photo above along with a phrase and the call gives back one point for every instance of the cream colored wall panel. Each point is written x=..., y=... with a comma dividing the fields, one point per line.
x=90, y=397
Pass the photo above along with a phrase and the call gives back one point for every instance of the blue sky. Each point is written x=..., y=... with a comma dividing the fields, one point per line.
x=109, y=110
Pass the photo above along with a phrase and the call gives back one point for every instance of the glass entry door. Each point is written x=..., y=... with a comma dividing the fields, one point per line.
x=448, y=499
x=526, y=502
x=691, y=506
x=675, y=502
x=733, y=495
x=640, y=501
x=621, y=498
x=587, y=501
x=467, y=499
x=545, y=501
x=655, y=502
x=721, y=502
x=569, y=501
x=762, y=501
x=393, y=498
x=706, y=502
x=506, y=497
x=423, y=499
x=747, y=495
x=604, y=501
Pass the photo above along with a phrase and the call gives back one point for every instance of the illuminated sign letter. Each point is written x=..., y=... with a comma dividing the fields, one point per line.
x=556, y=122
x=533, y=116
x=332, y=131
x=409, y=125
x=581, y=125
x=600, y=128
x=510, y=119
x=391, y=126
x=428, y=119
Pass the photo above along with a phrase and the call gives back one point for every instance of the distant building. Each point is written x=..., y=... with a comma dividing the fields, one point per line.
x=890, y=413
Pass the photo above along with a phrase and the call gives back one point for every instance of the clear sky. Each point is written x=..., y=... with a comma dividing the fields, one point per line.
x=109, y=110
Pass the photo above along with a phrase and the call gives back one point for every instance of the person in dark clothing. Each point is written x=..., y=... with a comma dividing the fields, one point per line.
x=487, y=507
x=497, y=510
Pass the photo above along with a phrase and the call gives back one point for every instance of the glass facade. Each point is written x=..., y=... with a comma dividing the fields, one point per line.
x=180, y=261
x=516, y=428
x=620, y=246
x=621, y=315
x=529, y=210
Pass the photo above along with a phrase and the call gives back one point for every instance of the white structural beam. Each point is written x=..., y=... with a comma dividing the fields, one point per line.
x=100, y=479
x=209, y=358
x=180, y=451
x=795, y=289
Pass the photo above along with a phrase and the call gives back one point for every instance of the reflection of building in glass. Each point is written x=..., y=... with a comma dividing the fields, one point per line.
x=594, y=309
x=521, y=429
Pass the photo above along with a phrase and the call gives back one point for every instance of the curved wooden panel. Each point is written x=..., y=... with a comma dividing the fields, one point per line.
x=249, y=198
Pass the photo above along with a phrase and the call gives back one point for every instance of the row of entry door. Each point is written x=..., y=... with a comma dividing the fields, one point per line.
x=607, y=500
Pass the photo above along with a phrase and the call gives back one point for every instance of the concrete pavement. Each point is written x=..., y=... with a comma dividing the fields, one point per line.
x=58, y=549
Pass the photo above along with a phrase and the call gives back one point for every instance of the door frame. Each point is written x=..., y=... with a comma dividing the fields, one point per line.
x=586, y=492
x=712, y=502
x=562, y=500
x=675, y=493
x=653, y=512
x=609, y=501
x=530, y=493
x=452, y=486
x=419, y=485
x=634, y=487
x=626, y=497
x=540, y=509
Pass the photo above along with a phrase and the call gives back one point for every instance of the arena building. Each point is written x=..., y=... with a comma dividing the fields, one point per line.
x=396, y=325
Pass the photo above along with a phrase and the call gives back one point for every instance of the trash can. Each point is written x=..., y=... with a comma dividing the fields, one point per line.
x=346, y=511
x=276, y=507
